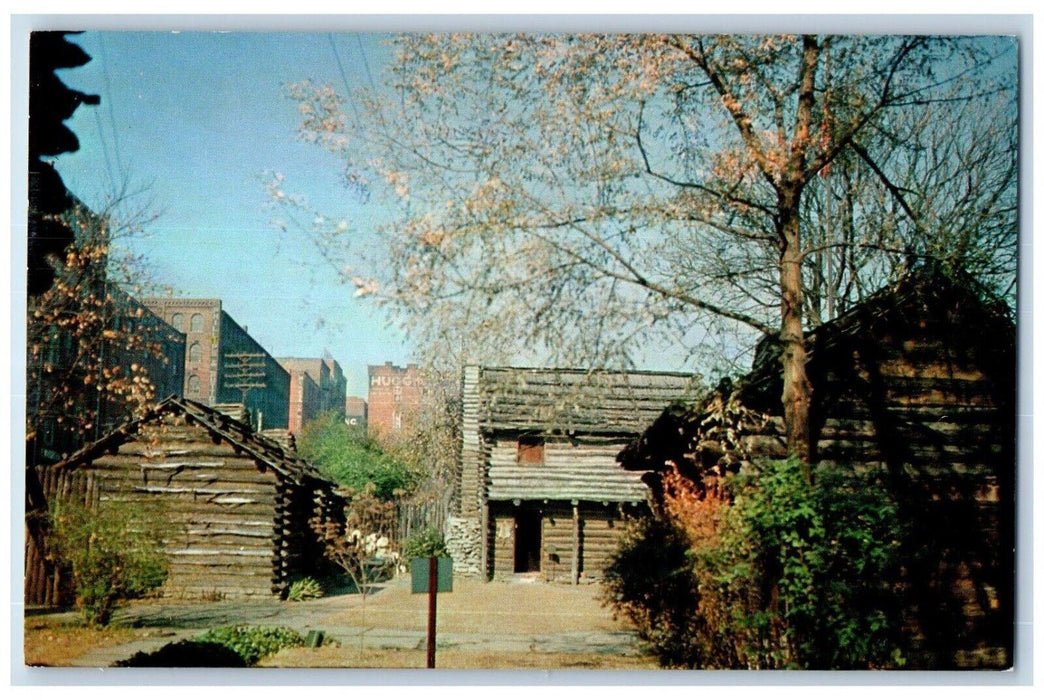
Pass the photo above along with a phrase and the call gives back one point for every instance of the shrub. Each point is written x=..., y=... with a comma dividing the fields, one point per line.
x=808, y=572
x=353, y=547
x=186, y=654
x=790, y=574
x=114, y=553
x=425, y=543
x=306, y=588
x=354, y=461
x=253, y=643
x=650, y=579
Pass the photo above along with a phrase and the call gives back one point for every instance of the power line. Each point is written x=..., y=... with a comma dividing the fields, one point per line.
x=366, y=64
x=105, y=147
x=112, y=114
x=344, y=77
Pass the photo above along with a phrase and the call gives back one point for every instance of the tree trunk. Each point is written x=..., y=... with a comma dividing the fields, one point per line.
x=797, y=390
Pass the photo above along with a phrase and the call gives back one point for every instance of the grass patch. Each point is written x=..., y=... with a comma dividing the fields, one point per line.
x=50, y=643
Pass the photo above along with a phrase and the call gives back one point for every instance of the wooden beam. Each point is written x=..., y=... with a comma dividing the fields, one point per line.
x=575, y=570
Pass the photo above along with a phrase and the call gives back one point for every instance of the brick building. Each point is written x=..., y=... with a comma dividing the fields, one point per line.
x=224, y=364
x=317, y=386
x=356, y=411
x=305, y=399
x=138, y=337
x=395, y=397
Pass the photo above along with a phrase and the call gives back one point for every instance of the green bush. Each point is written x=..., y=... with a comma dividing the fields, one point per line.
x=114, y=553
x=797, y=574
x=352, y=460
x=650, y=579
x=306, y=588
x=253, y=643
x=425, y=543
x=186, y=654
x=809, y=571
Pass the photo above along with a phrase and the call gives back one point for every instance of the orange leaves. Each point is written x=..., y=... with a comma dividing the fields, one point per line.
x=432, y=238
x=696, y=508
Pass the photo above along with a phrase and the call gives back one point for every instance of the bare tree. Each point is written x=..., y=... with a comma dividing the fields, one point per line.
x=90, y=346
x=593, y=197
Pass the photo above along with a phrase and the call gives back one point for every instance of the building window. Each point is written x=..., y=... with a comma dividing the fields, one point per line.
x=193, y=385
x=397, y=393
x=178, y=321
x=530, y=450
x=196, y=323
x=397, y=420
x=195, y=353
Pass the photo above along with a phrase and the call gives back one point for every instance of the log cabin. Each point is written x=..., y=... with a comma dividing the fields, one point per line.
x=238, y=504
x=919, y=379
x=541, y=494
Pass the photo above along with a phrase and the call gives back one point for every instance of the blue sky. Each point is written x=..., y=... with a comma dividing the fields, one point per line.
x=198, y=118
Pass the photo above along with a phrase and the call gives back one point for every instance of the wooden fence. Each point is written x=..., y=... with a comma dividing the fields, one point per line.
x=418, y=515
x=44, y=584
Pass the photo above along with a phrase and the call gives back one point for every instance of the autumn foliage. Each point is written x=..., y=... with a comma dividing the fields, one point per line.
x=766, y=571
x=89, y=346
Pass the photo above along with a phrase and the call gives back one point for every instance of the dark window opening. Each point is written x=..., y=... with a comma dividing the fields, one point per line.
x=527, y=541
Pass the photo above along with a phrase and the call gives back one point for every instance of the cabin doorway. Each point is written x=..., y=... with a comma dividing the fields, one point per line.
x=527, y=541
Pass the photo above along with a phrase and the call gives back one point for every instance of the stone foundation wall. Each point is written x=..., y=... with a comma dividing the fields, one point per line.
x=464, y=542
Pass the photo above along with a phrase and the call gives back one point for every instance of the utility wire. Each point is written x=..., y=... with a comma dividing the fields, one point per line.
x=369, y=76
x=366, y=64
x=344, y=77
x=105, y=147
x=112, y=114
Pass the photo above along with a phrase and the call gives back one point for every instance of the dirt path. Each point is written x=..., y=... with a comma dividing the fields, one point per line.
x=511, y=618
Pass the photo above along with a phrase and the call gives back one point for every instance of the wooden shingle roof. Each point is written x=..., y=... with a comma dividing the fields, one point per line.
x=565, y=401
x=218, y=424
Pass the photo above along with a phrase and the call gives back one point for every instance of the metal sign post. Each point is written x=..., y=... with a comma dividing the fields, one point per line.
x=431, y=575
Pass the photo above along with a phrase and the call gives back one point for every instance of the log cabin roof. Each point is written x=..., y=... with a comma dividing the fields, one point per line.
x=921, y=296
x=967, y=314
x=220, y=426
x=571, y=401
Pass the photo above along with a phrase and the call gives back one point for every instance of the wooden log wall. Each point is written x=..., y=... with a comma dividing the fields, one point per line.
x=601, y=529
x=556, y=558
x=941, y=420
x=932, y=403
x=598, y=529
x=502, y=540
x=584, y=468
x=224, y=538
x=472, y=450
x=226, y=510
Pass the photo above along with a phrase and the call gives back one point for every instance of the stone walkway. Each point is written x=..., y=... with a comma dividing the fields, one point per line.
x=174, y=622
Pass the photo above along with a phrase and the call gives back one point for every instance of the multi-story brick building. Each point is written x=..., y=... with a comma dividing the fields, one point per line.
x=355, y=412
x=395, y=398
x=224, y=364
x=305, y=399
x=317, y=386
x=131, y=336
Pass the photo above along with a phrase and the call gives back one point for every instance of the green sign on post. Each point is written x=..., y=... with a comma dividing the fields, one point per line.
x=431, y=575
x=419, y=575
